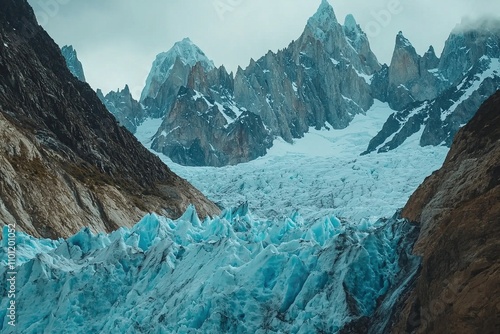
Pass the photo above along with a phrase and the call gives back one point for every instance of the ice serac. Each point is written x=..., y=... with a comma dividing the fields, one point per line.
x=124, y=107
x=229, y=274
x=169, y=72
x=64, y=160
x=437, y=96
x=458, y=288
x=74, y=64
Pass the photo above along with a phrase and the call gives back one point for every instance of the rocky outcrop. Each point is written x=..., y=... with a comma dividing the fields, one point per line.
x=65, y=162
x=458, y=209
x=410, y=76
x=73, y=63
x=437, y=97
x=320, y=80
x=127, y=111
x=219, y=135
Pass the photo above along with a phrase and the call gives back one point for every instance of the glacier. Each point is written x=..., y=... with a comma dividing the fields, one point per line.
x=227, y=274
x=308, y=242
x=321, y=174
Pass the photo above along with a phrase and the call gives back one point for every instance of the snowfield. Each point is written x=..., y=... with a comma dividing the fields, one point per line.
x=319, y=175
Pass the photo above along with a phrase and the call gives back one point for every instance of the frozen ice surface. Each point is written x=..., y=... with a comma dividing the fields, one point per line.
x=322, y=174
x=229, y=274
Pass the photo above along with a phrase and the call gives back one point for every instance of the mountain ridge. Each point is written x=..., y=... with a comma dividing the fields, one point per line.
x=321, y=80
x=66, y=162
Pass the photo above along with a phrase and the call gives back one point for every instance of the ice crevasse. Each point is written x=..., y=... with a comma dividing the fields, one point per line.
x=228, y=274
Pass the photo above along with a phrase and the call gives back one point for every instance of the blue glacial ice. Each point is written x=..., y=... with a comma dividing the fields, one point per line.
x=228, y=274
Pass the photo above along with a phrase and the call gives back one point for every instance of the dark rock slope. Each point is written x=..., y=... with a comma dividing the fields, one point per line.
x=64, y=161
x=458, y=208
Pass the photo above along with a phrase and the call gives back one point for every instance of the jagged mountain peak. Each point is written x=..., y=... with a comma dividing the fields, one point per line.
x=402, y=41
x=431, y=50
x=467, y=44
x=184, y=53
x=68, y=48
x=74, y=65
x=189, y=53
x=323, y=20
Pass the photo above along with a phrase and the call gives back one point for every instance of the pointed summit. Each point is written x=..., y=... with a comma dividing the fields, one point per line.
x=74, y=65
x=323, y=21
x=350, y=23
x=185, y=52
x=429, y=60
x=189, y=53
x=402, y=41
x=352, y=30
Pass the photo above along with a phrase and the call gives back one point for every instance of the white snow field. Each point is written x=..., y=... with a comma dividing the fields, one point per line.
x=319, y=175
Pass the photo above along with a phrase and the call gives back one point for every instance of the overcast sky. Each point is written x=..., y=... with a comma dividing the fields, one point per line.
x=117, y=40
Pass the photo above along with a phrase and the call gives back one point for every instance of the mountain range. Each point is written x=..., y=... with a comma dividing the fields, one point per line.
x=67, y=165
x=322, y=80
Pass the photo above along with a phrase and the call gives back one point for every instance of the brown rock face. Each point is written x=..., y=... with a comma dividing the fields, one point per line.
x=458, y=207
x=64, y=161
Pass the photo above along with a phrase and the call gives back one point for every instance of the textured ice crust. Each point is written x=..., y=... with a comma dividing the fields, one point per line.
x=229, y=274
x=321, y=174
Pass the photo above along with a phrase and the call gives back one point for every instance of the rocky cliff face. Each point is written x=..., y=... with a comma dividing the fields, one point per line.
x=73, y=63
x=436, y=97
x=458, y=288
x=411, y=77
x=322, y=80
x=65, y=162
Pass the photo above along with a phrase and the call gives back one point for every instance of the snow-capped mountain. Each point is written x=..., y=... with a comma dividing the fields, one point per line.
x=74, y=64
x=321, y=80
x=170, y=72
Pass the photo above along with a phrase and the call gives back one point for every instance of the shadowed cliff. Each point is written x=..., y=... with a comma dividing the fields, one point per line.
x=65, y=163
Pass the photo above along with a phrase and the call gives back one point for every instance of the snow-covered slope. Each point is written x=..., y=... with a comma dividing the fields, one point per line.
x=233, y=274
x=321, y=174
